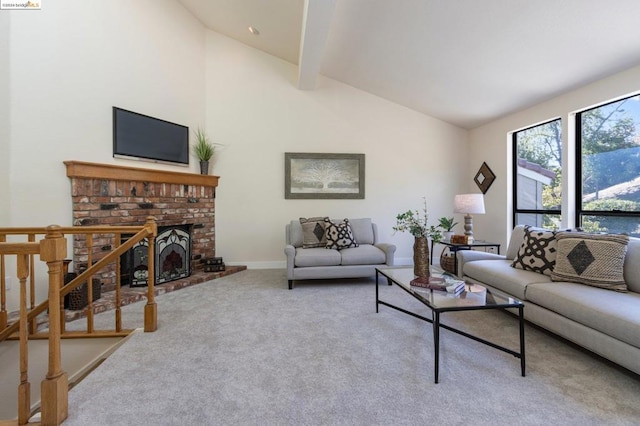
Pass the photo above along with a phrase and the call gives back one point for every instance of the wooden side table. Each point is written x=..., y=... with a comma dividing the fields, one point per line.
x=455, y=247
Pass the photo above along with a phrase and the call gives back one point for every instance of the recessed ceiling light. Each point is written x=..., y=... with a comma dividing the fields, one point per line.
x=253, y=30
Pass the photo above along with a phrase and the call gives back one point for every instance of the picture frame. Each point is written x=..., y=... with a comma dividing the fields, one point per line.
x=484, y=178
x=323, y=176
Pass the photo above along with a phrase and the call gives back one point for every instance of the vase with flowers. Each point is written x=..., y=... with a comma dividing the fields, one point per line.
x=416, y=224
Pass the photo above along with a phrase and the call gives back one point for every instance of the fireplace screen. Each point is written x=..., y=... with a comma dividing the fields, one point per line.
x=139, y=261
x=172, y=258
x=173, y=248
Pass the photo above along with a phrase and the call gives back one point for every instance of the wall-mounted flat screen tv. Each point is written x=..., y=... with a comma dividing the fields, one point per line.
x=147, y=138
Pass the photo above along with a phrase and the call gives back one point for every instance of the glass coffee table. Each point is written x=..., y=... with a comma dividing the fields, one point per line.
x=474, y=297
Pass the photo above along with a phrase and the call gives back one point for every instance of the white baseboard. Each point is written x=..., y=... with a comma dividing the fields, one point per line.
x=274, y=264
x=261, y=265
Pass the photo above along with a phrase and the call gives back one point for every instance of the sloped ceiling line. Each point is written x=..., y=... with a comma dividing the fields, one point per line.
x=316, y=22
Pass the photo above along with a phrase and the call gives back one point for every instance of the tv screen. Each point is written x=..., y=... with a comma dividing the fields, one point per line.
x=147, y=138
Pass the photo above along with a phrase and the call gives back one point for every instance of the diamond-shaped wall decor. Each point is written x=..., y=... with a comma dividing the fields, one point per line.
x=484, y=178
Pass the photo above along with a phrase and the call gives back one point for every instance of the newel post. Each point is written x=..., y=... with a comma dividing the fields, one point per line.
x=55, y=388
x=151, y=309
x=24, y=389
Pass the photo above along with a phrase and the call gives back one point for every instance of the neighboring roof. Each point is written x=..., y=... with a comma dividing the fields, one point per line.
x=536, y=168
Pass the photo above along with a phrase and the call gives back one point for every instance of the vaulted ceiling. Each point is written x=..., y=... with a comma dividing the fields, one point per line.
x=466, y=62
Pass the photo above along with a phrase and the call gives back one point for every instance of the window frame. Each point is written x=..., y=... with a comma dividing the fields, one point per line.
x=514, y=178
x=579, y=212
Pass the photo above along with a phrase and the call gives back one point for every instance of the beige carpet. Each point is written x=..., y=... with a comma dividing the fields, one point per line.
x=244, y=350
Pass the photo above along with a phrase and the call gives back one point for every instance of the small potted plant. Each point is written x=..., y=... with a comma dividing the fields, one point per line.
x=447, y=224
x=204, y=150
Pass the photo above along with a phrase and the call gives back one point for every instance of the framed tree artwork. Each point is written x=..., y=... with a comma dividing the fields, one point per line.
x=323, y=176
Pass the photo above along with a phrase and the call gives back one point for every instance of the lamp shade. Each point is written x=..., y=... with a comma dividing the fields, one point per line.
x=469, y=203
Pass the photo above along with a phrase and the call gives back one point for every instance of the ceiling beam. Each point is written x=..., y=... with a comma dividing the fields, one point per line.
x=316, y=21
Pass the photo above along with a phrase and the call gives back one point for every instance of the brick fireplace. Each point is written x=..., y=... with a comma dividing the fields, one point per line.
x=106, y=194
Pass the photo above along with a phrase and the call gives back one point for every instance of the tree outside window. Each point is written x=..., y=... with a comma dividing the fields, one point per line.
x=538, y=175
x=609, y=167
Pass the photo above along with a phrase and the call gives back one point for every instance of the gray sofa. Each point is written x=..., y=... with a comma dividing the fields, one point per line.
x=603, y=321
x=323, y=263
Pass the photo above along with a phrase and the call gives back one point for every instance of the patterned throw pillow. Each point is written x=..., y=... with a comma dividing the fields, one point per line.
x=339, y=235
x=537, y=252
x=313, y=234
x=592, y=259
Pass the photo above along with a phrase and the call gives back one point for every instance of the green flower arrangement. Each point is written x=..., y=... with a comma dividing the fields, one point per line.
x=417, y=224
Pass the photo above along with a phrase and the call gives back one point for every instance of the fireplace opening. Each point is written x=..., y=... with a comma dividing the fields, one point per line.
x=172, y=257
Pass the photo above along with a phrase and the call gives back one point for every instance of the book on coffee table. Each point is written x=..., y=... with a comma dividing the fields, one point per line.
x=437, y=283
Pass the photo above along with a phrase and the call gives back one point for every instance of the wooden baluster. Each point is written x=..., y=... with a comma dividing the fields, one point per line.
x=24, y=389
x=89, y=284
x=118, y=238
x=62, y=319
x=151, y=309
x=3, y=289
x=33, y=325
x=55, y=387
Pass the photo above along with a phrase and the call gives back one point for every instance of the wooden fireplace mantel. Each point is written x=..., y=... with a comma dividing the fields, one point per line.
x=81, y=169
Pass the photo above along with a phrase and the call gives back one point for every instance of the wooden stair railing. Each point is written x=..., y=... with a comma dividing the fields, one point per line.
x=23, y=251
x=52, y=249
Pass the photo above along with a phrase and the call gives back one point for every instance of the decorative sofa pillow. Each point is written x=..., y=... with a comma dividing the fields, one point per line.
x=593, y=259
x=537, y=252
x=313, y=232
x=339, y=235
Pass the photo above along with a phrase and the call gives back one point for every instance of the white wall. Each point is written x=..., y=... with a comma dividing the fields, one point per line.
x=491, y=143
x=69, y=64
x=5, y=162
x=254, y=108
x=73, y=60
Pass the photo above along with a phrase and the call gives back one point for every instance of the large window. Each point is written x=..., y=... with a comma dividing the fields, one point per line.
x=608, y=167
x=537, y=189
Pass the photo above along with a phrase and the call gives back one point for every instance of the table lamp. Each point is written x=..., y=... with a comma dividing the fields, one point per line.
x=469, y=204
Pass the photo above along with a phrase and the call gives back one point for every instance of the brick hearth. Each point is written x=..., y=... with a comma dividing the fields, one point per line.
x=133, y=295
x=137, y=294
x=105, y=194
